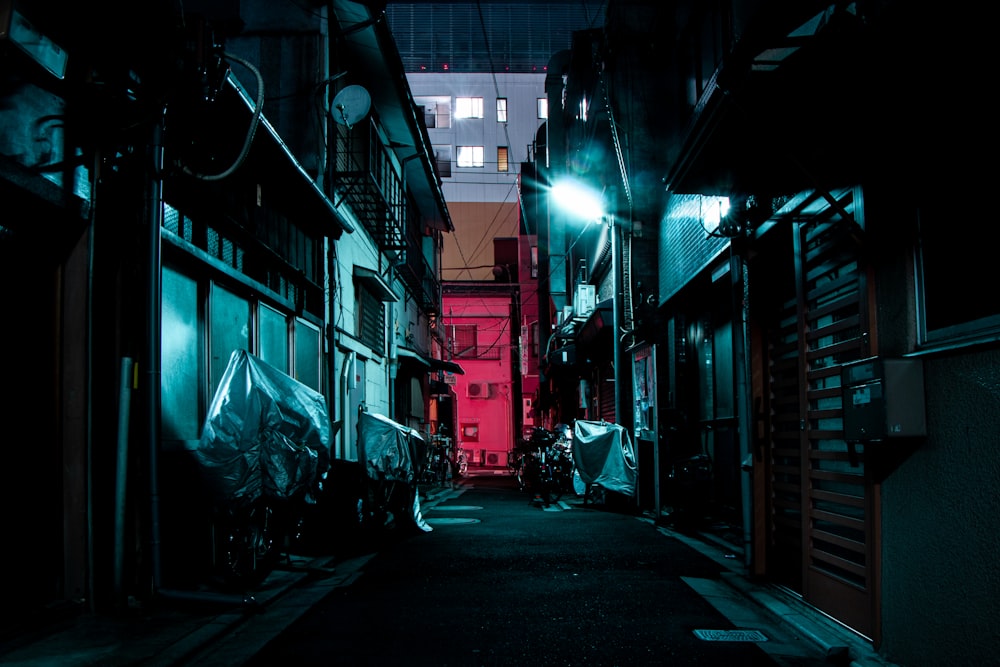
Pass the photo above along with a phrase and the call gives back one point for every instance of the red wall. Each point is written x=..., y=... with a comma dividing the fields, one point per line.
x=485, y=423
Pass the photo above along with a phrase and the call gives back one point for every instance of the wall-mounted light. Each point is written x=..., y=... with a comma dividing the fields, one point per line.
x=41, y=49
x=578, y=200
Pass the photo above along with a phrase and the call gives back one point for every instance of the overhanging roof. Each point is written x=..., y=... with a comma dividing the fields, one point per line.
x=807, y=99
x=373, y=61
x=430, y=362
x=375, y=284
x=449, y=366
x=200, y=139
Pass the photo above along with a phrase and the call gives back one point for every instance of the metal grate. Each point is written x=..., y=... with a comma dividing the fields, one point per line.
x=731, y=635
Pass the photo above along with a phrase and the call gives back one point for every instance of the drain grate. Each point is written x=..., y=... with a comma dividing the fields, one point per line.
x=440, y=520
x=731, y=635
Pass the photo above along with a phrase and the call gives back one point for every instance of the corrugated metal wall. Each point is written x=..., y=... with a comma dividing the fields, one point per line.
x=522, y=36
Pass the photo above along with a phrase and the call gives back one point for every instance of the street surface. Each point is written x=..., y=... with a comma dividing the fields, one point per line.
x=500, y=580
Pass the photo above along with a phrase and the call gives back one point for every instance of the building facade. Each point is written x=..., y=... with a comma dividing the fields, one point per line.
x=206, y=186
x=478, y=70
x=812, y=388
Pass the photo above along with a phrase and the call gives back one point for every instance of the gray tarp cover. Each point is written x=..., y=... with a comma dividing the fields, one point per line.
x=388, y=449
x=392, y=452
x=266, y=434
x=604, y=456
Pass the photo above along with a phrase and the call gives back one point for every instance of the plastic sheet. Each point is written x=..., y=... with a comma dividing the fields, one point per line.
x=266, y=434
x=392, y=452
x=603, y=455
x=389, y=450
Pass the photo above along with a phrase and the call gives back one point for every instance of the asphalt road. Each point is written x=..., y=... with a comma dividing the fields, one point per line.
x=499, y=580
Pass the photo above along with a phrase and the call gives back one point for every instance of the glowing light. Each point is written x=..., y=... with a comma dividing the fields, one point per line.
x=714, y=210
x=578, y=200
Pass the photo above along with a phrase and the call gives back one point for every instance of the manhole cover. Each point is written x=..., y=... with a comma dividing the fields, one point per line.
x=439, y=520
x=456, y=507
x=731, y=635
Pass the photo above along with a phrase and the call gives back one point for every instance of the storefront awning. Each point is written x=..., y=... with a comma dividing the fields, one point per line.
x=450, y=366
x=429, y=362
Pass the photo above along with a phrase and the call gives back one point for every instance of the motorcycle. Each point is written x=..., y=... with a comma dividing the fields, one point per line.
x=548, y=465
x=264, y=454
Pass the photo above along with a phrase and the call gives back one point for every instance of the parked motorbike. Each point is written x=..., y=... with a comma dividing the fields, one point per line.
x=264, y=454
x=548, y=465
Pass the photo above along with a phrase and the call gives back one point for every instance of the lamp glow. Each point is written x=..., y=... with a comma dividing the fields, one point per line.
x=578, y=200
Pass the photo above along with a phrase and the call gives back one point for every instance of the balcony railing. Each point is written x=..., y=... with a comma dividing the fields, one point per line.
x=367, y=179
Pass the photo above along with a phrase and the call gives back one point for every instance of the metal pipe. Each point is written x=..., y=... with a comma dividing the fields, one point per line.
x=744, y=400
x=153, y=336
x=615, y=317
x=345, y=401
x=121, y=473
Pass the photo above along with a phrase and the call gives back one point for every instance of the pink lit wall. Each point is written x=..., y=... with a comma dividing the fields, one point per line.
x=480, y=331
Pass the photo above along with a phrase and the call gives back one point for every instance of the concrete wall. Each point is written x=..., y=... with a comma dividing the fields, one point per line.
x=941, y=523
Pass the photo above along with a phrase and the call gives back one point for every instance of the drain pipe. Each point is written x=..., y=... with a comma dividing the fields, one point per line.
x=744, y=400
x=154, y=206
x=153, y=378
x=121, y=473
x=346, y=379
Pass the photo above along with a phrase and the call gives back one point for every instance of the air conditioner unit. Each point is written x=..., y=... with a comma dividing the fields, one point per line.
x=477, y=390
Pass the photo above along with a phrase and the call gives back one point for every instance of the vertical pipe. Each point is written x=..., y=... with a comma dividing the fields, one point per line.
x=154, y=207
x=615, y=321
x=121, y=472
x=346, y=380
x=744, y=401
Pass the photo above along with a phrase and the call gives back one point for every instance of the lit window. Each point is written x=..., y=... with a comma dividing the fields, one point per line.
x=470, y=156
x=502, y=159
x=543, y=107
x=468, y=107
x=501, y=109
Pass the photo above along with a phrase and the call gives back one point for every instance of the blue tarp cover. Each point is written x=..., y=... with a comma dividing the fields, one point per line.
x=388, y=449
x=266, y=434
x=604, y=456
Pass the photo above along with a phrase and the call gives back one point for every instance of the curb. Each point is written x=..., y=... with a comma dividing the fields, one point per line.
x=839, y=643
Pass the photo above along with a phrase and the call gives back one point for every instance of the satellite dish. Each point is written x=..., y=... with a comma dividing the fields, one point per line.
x=350, y=105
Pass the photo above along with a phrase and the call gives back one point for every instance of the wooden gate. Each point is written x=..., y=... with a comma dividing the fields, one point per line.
x=810, y=300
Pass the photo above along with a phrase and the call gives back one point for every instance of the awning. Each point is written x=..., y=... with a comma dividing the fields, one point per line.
x=373, y=283
x=405, y=353
x=450, y=366
x=429, y=362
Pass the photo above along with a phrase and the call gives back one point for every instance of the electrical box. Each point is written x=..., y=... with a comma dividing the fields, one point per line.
x=883, y=399
x=584, y=300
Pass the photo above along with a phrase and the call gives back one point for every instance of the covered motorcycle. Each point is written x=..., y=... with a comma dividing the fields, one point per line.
x=392, y=456
x=265, y=435
x=603, y=455
x=264, y=451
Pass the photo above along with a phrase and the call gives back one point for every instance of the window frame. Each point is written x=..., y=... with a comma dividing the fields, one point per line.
x=543, y=108
x=936, y=256
x=477, y=160
x=503, y=159
x=468, y=108
x=501, y=109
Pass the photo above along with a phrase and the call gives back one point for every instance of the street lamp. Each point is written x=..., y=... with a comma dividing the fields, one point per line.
x=584, y=203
